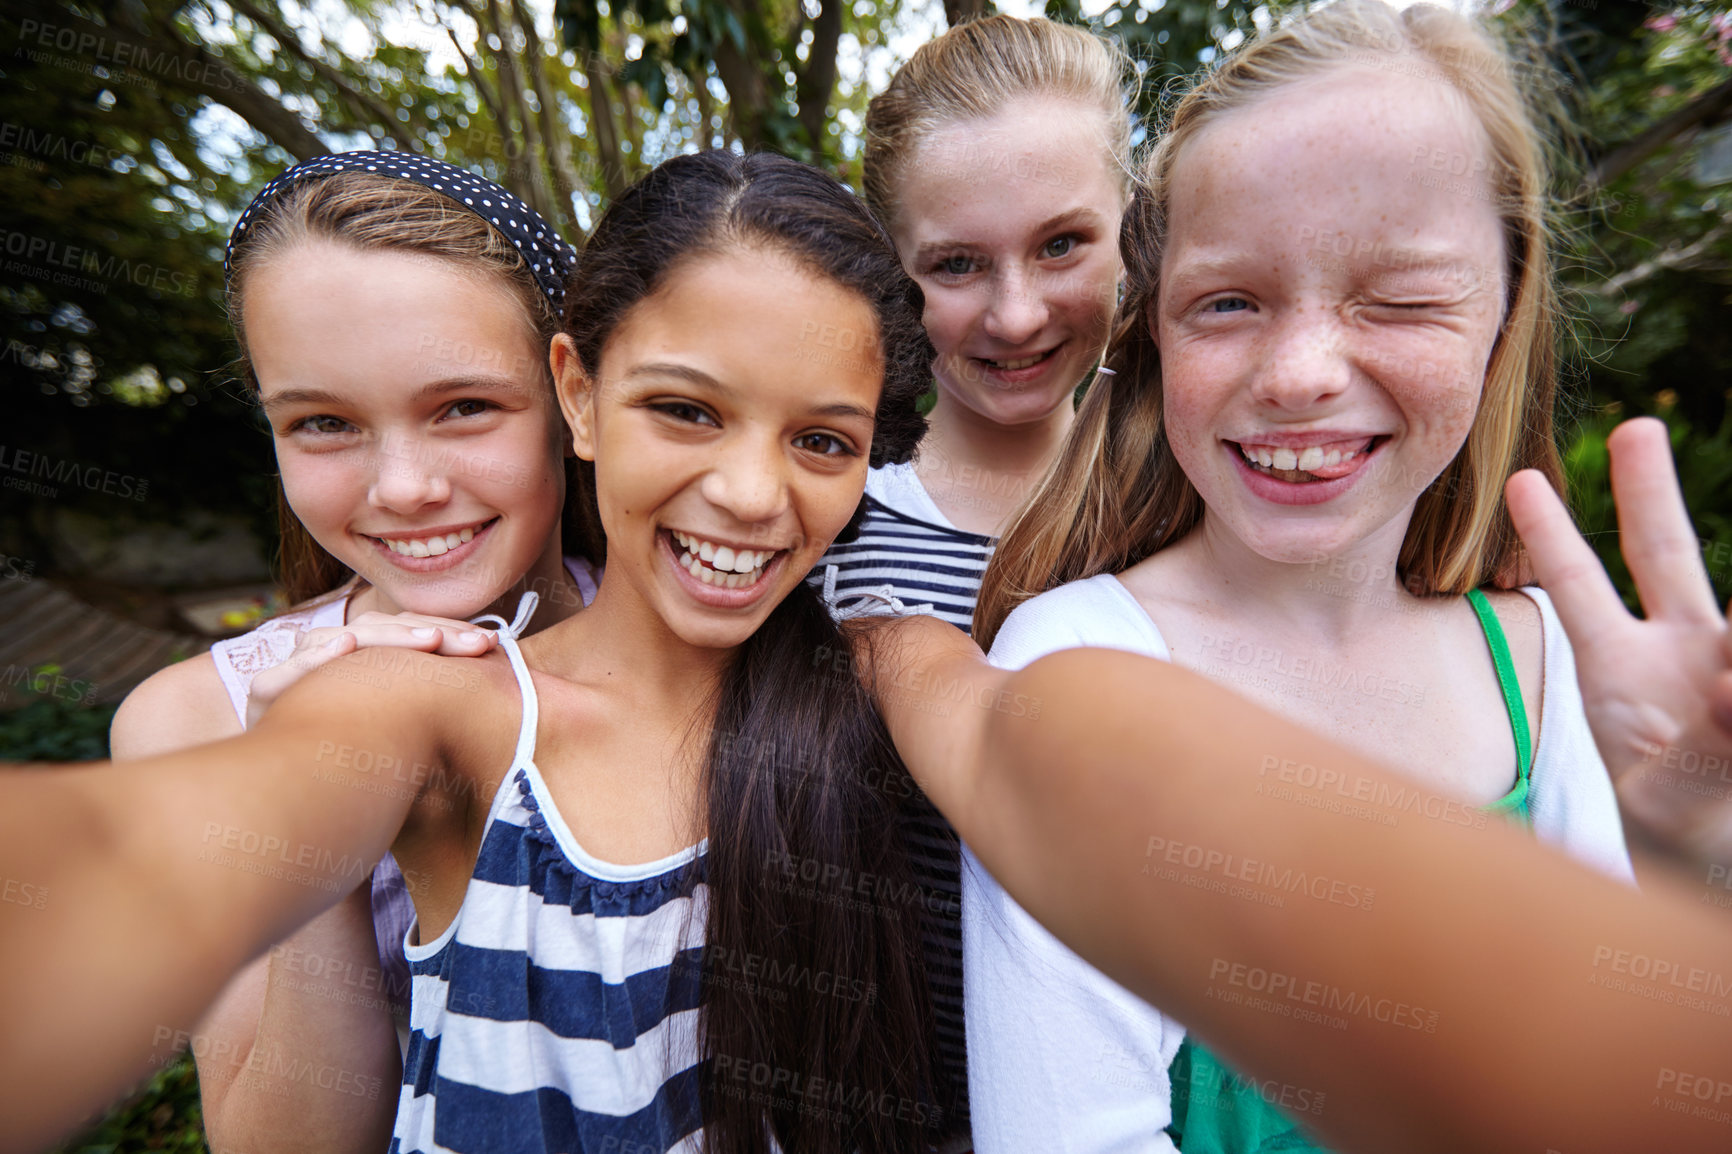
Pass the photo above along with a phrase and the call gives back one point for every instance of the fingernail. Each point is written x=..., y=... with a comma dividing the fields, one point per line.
x=425, y=632
x=470, y=635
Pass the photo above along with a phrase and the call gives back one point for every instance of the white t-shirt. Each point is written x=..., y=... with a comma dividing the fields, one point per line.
x=1062, y=1058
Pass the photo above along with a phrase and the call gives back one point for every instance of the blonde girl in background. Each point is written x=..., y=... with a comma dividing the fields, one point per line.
x=1327, y=367
x=393, y=315
x=997, y=160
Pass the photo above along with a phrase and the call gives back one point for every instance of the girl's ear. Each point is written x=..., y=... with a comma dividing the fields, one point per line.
x=576, y=394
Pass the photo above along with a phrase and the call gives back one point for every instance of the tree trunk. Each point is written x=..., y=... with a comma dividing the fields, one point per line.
x=818, y=79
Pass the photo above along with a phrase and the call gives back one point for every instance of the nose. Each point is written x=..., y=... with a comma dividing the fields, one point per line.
x=1306, y=363
x=1017, y=309
x=408, y=476
x=748, y=480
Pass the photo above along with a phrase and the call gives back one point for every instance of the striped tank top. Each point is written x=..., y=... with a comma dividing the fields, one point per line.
x=559, y=1010
x=907, y=549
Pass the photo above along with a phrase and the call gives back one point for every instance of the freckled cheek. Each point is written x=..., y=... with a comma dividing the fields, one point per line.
x=1188, y=421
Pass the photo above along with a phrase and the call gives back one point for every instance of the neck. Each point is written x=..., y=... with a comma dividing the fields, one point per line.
x=627, y=644
x=979, y=471
x=1335, y=599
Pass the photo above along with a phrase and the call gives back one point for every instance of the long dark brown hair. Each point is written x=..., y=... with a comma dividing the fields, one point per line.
x=372, y=211
x=806, y=869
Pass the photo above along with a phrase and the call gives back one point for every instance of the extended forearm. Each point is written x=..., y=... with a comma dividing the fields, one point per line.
x=1334, y=927
x=161, y=878
x=318, y=1065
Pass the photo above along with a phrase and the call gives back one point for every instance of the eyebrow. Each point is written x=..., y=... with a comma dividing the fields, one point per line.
x=314, y=396
x=1070, y=218
x=704, y=380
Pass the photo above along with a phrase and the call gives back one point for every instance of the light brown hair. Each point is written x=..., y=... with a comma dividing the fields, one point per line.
x=1116, y=494
x=975, y=69
x=369, y=211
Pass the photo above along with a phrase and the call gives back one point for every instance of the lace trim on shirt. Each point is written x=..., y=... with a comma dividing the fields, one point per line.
x=879, y=602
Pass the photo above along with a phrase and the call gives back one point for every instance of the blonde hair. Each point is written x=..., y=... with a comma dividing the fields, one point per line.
x=1116, y=494
x=975, y=69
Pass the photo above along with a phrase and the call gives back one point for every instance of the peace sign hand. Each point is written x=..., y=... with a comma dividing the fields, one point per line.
x=1658, y=691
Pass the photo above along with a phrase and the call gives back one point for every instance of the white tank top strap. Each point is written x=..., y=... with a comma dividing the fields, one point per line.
x=509, y=632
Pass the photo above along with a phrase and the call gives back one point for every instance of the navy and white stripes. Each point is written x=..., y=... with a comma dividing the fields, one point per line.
x=559, y=1010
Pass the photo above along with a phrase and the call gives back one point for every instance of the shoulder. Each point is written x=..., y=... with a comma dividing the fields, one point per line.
x=1097, y=611
x=181, y=705
x=1524, y=629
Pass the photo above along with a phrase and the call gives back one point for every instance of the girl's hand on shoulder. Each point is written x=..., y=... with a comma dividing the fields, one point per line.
x=315, y=647
x=1657, y=690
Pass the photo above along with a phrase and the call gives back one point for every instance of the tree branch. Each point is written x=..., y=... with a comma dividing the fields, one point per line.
x=1710, y=107
x=602, y=127
x=1672, y=257
x=553, y=133
x=160, y=55
x=817, y=80
x=283, y=35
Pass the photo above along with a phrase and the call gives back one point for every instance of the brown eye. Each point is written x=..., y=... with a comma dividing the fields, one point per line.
x=823, y=444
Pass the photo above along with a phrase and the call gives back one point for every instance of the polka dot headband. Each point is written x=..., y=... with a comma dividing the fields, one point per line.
x=548, y=256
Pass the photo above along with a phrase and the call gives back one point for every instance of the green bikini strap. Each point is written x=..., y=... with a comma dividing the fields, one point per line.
x=1506, y=679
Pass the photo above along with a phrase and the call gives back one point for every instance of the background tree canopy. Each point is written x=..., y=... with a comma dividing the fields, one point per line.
x=132, y=132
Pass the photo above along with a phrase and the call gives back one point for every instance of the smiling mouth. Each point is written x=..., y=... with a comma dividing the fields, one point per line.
x=433, y=546
x=1011, y=366
x=721, y=565
x=1310, y=464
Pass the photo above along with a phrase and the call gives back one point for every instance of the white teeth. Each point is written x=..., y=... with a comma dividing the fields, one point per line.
x=1286, y=459
x=1310, y=458
x=1332, y=458
x=428, y=546
x=721, y=565
x=1019, y=364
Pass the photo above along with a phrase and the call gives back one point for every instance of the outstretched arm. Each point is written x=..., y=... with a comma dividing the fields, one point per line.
x=1331, y=928
x=152, y=882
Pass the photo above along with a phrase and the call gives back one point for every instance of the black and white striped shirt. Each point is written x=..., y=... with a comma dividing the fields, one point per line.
x=906, y=543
